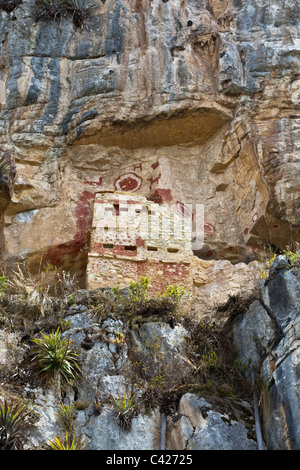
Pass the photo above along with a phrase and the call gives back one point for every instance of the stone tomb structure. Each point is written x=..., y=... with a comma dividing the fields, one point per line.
x=132, y=237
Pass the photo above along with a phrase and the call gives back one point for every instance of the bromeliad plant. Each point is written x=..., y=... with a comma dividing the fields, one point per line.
x=13, y=423
x=66, y=414
x=80, y=10
x=50, y=10
x=56, y=359
x=125, y=405
x=69, y=443
x=57, y=9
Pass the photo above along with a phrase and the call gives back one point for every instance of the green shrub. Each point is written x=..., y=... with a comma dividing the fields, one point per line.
x=173, y=293
x=209, y=357
x=3, y=284
x=56, y=359
x=293, y=255
x=136, y=302
x=139, y=290
x=13, y=423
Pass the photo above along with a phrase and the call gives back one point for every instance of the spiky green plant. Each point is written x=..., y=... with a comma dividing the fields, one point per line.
x=80, y=10
x=13, y=423
x=56, y=359
x=125, y=407
x=70, y=443
x=66, y=417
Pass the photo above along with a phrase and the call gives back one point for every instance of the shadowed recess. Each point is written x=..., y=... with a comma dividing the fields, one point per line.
x=179, y=128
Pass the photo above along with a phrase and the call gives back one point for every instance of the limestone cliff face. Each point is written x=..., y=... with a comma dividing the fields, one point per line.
x=161, y=362
x=268, y=333
x=185, y=102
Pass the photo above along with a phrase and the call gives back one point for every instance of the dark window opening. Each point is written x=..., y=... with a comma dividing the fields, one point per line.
x=173, y=250
x=130, y=248
x=152, y=248
x=117, y=209
x=107, y=245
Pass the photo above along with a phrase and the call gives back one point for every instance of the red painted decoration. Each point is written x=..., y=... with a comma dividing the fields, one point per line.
x=208, y=228
x=94, y=183
x=128, y=182
x=183, y=210
x=155, y=165
x=161, y=195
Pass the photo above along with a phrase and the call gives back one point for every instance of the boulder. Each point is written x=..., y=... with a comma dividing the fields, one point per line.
x=200, y=427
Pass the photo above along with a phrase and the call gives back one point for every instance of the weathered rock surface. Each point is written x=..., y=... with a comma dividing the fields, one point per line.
x=215, y=281
x=202, y=428
x=107, y=371
x=185, y=102
x=267, y=342
x=268, y=335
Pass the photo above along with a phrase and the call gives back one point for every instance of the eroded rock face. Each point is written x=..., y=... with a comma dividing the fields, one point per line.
x=202, y=428
x=268, y=335
x=184, y=102
x=194, y=424
x=267, y=343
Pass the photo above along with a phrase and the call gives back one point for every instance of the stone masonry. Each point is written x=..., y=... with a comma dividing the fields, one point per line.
x=133, y=237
